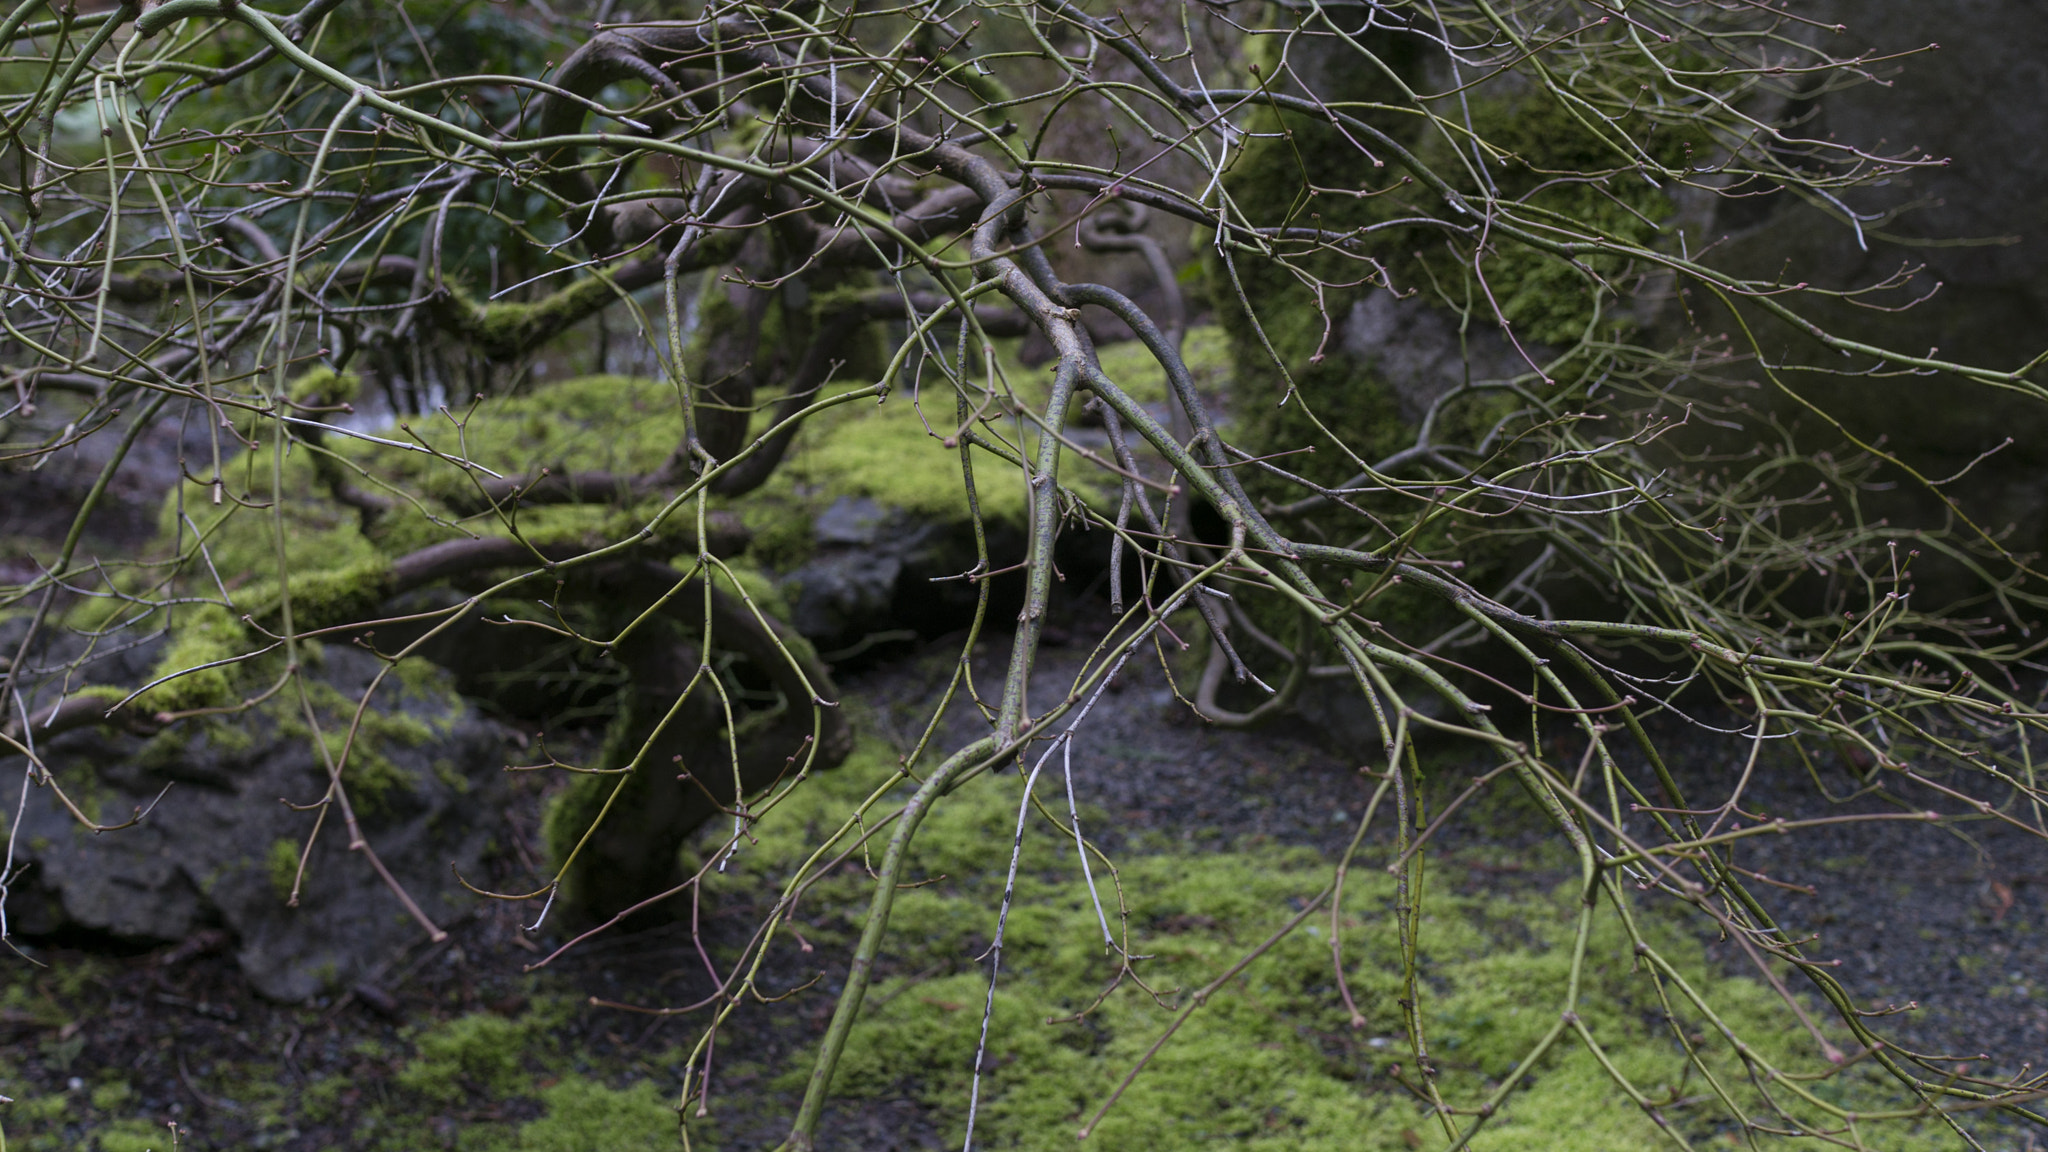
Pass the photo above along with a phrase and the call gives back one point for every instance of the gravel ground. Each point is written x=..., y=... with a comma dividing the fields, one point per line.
x=1952, y=918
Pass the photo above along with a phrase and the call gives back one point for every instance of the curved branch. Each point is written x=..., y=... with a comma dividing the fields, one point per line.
x=1125, y=234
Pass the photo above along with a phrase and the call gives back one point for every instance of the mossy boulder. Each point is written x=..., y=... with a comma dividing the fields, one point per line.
x=425, y=773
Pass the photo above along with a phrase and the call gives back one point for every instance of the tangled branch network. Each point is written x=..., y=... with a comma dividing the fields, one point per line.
x=257, y=228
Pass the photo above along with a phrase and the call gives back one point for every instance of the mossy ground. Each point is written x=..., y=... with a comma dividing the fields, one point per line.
x=486, y=1058
x=425, y=1086
x=1271, y=1061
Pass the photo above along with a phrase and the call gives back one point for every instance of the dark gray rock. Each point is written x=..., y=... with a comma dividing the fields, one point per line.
x=1975, y=227
x=865, y=559
x=219, y=849
x=877, y=573
x=1414, y=346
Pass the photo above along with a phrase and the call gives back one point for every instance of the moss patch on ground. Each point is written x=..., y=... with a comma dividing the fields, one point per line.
x=515, y=1080
x=1271, y=1061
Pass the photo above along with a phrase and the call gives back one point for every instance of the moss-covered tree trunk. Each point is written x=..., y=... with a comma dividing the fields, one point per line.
x=672, y=762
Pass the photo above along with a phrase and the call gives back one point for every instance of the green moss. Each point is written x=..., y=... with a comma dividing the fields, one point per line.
x=781, y=528
x=321, y=598
x=1131, y=366
x=207, y=634
x=325, y=388
x=371, y=774
x=133, y=1136
x=108, y=692
x=505, y=329
x=630, y=427
x=42, y=1109
x=568, y=813
x=221, y=735
x=1544, y=298
x=886, y=453
x=869, y=350
x=336, y=574
x=615, y=424
x=1341, y=407
x=755, y=585
x=445, y=771
x=240, y=535
x=112, y=1095
x=478, y=1053
x=322, y=1098
x=1271, y=1062
x=282, y=863
x=583, y=1114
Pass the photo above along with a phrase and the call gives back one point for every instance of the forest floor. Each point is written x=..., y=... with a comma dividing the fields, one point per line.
x=461, y=1046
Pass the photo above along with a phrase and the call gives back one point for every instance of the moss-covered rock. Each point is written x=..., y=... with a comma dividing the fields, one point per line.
x=207, y=635
x=1338, y=372
x=218, y=848
x=1307, y=172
